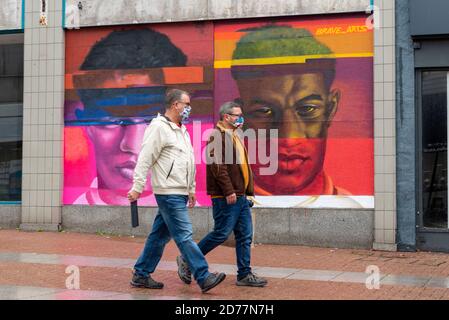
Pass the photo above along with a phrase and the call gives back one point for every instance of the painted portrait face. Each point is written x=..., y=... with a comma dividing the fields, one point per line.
x=117, y=146
x=301, y=108
x=116, y=150
x=117, y=82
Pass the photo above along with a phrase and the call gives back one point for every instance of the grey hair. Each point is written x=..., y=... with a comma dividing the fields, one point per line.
x=173, y=95
x=227, y=107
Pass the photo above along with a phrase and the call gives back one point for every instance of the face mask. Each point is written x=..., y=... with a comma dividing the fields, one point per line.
x=185, y=114
x=239, y=122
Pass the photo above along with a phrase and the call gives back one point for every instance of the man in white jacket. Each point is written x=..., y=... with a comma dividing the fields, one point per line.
x=167, y=150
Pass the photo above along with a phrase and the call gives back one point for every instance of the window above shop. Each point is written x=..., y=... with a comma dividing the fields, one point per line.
x=429, y=18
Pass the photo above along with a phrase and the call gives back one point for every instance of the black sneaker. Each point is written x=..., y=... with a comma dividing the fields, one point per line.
x=142, y=282
x=183, y=270
x=251, y=280
x=211, y=281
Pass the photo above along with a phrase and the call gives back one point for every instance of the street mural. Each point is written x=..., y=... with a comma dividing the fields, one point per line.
x=309, y=80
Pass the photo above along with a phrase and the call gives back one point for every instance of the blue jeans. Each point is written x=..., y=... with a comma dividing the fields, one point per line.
x=172, y=220
x=235, y=217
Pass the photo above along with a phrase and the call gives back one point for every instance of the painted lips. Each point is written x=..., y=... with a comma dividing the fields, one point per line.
x=291, y=163
x=127, y=169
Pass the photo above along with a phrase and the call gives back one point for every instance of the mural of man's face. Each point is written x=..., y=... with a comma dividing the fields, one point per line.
x=301, y=108
x=117, y=146
x=116, y=151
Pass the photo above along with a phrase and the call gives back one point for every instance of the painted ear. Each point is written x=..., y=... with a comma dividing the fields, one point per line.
x=334, y=100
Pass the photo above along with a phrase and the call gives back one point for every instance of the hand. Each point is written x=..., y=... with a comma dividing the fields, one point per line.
x=192, y=200
x=133, y=195
x=231, y=199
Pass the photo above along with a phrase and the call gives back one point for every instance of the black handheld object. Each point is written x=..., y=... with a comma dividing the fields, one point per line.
x=134, y=214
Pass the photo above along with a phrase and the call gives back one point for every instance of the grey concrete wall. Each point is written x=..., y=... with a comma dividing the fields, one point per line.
x=339, y=228
x=110, y=12
x=117, y=220
x=10, y=216
x=405, y=126
x=336, y=228
x=10, y=14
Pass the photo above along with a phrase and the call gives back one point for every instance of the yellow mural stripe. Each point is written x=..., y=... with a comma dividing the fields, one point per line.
x=224, y=64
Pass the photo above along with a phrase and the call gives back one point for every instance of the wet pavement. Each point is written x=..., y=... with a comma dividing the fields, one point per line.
x=67, y=266
x=38, y=293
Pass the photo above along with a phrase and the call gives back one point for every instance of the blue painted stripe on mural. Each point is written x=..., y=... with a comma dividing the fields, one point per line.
x=23, y=14
x=102, y=115
x=76, y=123
x=107, y=122
x=128, y=100
x=92, y=123
x=126, y=122
x=98, y=98
x=372, y=3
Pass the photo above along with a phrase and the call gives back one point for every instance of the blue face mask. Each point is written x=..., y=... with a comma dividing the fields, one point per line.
x=185, y=114
x=239, y=122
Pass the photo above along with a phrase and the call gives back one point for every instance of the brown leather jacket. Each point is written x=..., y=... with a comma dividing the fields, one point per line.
x=223, y=178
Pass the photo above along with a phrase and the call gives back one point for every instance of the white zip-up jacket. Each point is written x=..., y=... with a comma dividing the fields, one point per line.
x=167, y=150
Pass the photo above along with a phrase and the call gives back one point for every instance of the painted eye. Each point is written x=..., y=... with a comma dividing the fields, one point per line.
x=264, y=111
x=308, y=110
x=110, y=126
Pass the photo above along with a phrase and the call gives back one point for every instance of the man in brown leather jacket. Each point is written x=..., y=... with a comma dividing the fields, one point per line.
x=229, y=182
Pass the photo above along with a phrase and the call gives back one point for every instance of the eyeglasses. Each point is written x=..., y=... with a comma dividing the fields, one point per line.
x=186, y=103
x=235, y=115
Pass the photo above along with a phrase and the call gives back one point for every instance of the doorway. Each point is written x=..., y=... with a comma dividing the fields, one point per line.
x=432, y=215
